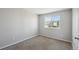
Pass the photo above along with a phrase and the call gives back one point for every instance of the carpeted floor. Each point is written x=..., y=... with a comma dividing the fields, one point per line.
x=41, y=43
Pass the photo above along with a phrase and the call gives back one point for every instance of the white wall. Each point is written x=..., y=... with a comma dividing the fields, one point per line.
x=65, y=31
x=16, y=25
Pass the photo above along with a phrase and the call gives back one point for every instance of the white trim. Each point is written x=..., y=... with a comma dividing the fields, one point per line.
x=17, y=42
x=56, y=38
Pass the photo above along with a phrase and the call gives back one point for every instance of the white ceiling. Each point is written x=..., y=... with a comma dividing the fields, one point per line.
x=43, y=10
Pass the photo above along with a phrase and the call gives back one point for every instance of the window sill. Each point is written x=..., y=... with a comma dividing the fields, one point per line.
x=52, y=28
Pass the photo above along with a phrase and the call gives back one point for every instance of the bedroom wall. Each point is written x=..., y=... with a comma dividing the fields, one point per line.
x=16, y=25
x=64, y=32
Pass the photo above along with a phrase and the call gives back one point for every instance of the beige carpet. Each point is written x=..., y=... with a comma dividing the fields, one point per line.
x=41, y=43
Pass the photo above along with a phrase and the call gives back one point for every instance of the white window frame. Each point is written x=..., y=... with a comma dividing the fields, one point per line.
x=51, y=20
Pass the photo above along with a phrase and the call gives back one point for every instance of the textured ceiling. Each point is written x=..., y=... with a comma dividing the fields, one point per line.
x=43, y=10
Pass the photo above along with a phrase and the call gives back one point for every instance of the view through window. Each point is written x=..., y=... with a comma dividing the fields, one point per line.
x=52, y=21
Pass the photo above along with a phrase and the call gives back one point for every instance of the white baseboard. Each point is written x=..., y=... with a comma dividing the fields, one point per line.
x=56, y=38
x=17, y=42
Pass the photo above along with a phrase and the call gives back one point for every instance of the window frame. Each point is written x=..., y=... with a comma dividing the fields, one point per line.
x=51, y=20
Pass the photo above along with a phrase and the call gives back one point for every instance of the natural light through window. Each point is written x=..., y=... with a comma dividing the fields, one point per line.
x=52, y=22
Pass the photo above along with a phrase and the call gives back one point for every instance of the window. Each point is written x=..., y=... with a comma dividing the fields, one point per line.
x=52, y=22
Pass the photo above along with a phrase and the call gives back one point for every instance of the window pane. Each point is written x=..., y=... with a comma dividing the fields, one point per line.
x=55, y=21
x=52, y=21
x=55, y=18
x=47, y=22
